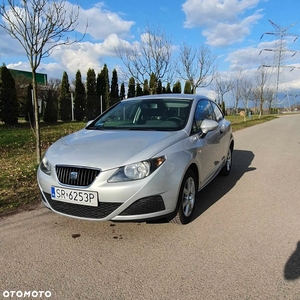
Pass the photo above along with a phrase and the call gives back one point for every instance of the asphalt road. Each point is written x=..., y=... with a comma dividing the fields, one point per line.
x=244, y=242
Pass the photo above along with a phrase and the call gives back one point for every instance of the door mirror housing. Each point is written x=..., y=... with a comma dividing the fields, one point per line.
x=208, y=125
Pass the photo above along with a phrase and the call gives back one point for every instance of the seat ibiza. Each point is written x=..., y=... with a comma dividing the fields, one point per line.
x=144, y=158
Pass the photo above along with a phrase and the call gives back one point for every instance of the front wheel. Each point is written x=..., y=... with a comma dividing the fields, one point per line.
x=187, y=199
x=228, y=165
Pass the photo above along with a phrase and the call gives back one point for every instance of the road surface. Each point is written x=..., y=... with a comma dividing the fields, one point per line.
x=244, y=242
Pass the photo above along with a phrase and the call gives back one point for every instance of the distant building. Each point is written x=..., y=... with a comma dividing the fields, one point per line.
x=41, y=78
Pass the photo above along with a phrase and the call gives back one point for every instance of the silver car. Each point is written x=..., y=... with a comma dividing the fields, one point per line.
x=144, y=158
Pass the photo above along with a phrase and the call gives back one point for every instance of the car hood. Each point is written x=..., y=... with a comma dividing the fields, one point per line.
x=107, y=149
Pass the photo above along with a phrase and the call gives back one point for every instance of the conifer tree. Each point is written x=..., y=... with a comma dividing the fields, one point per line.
x=159, y=88
x=153, y=84
x=65, y=99
x=223, y=107
x=146, y=90
x=114, y=90
x=79, y=98
x=177, y=87
x=131, y=88
x=9, y=102
x=168, y=89
x=122, y=91
x=92, y=100
x=29, y=113
x=50, y=114
x=139, y=90
x=188, y=87
x=103, y=87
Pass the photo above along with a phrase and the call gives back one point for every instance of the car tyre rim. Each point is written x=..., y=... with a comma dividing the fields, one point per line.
x=188, y=197
x=228, y=162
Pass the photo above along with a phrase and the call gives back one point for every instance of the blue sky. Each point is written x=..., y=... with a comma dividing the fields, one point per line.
x=231, y=28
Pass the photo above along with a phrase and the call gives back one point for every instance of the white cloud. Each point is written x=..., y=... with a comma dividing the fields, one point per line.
x=223, y=21
x=102, y=22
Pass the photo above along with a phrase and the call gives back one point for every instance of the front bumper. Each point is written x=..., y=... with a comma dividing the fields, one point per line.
x=148, y=198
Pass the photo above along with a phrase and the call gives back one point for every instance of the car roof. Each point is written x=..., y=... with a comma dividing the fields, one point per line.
x=170, y=96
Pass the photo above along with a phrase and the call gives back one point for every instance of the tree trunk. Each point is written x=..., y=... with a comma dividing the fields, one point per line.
x=36, y=118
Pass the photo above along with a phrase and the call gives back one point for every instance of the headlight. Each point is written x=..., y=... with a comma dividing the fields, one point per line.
x=45, y=166
x=137, y=170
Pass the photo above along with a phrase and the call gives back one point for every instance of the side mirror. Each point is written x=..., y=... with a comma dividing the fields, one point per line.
x=208, y=125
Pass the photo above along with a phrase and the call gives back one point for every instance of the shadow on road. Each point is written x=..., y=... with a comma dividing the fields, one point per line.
x=292, y=267
x=220, y=186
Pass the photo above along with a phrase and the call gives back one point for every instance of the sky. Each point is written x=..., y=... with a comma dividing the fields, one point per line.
x=238, y=32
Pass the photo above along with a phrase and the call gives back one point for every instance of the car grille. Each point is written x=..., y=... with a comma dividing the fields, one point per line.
x=76, y=176
x=83, y=211
x=145, y=206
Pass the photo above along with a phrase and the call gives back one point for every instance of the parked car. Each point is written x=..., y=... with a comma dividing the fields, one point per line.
x=144, y=158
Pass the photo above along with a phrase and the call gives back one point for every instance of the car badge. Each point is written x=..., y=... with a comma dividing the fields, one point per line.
x=73, y=175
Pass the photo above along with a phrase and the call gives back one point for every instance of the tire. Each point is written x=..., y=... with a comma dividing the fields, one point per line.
x=186, y=199
x=225, y=171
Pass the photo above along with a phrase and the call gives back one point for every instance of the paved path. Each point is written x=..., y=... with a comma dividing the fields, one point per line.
x=243, y=244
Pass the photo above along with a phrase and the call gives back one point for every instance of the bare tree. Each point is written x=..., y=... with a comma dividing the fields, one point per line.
x=151, y=56
x=196, y=65
x=262, y=93
x=39, y=26
x=222, y=86
x=246, y=93
x=237, y=89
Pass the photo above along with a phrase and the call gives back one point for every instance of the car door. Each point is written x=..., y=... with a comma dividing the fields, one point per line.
x=224, y=137
x=208, y=147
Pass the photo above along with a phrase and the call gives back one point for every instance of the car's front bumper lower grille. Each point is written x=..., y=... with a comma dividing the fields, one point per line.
x=83, y=211
x=142, y=206
x=146, y=205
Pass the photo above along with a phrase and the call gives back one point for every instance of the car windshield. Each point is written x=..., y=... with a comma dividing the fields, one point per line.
x=147, y=114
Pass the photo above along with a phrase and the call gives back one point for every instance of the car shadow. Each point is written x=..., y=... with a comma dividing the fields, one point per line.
x=221, y=185
x=292, y=266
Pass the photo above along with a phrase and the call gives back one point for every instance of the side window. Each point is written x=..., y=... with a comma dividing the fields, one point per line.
x=203, y=111
x=218, y=112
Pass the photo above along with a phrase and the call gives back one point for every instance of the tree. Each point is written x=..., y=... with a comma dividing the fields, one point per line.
x=152, y=55
x=159, y=87
x=50, y=114
x=92, y=99
x=131, y=88
x=8, y=99
x=65, y=109
x=262, y=92
x=196, y=65
x=122, y=91
x=222, y=86
x=114, y=89
x=177, y=87
x=29, y=113
x=79, y=98
x=246, y=93
x=168, y=88
x=188, y=88
x=139, y=90
x=103, y=87
x=146, y=89
x=153, y=84
x=237, y=89
x=39, y=26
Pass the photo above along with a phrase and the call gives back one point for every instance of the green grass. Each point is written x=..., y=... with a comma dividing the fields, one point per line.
x=18, y=186
x=239, y=123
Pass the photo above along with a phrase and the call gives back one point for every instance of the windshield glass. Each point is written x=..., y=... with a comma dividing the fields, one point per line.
x=146, y=114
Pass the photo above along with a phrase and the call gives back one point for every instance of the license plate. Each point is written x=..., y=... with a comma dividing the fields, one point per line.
x=74, y=196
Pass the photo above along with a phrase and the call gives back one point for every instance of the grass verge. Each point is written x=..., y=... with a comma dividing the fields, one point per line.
x=18, y=186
